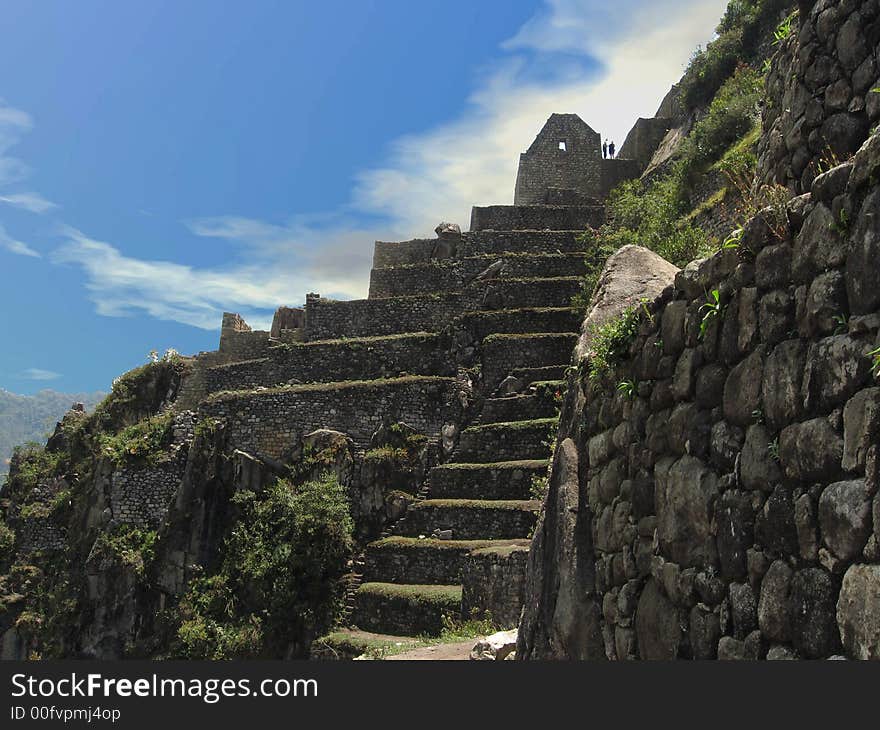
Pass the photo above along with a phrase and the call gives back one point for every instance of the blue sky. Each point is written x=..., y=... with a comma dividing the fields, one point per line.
x=161, y=162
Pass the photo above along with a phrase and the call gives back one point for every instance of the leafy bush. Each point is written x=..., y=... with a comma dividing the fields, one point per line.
x=279, y=584
x=7, y=542
x=611, y=343
x=131, y=547
x=732, y=114
x=739, y=36
x=143, y=442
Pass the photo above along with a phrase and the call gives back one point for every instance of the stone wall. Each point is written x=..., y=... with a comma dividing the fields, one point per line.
x=536, y=217
x=455, y=274
x=270, y=423
x=329, y=319
x=364, y=359
x=729, y=509
x=36, y=529
x=477, y=243
x=565, y=154
x=238, y=341
x=821, y=85
x=494, y=583
x=142, y=496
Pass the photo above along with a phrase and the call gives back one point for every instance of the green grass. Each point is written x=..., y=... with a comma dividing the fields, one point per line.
x=512, y=465
x=414, y=543
x=226, y=395
x=512, y=337
x=491, y=504
x=353, y=644
x=501, y=551
x=513, y=425
x=430, y=594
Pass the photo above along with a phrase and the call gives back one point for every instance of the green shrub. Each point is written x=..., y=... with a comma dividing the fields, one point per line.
x=143, y=443
x=7, y=542
x=611, y=343
x=279, y=584
x=131, y=547
x=739, y=37
x=732, y=114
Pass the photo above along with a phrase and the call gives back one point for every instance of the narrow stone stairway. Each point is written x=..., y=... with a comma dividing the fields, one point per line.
x=480, y=507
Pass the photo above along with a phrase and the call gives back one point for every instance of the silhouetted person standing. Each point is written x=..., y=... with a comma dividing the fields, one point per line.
x=611, y=150
x=605, y=149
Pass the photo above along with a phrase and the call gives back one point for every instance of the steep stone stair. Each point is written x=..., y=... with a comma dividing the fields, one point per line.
x=481, y=502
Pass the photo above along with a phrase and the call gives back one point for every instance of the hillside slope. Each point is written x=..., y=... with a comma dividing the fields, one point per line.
x=27, y=418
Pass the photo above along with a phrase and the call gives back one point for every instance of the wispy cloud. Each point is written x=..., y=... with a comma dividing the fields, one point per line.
x=13, y=124
x=635, y=49
x=17, y=247
x=39, y=374
x=122, y=286
x=32, y=202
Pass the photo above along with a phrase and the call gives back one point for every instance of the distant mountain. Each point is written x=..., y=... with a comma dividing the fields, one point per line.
x=25, y=418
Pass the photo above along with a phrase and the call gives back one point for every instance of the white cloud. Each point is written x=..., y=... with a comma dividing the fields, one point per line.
x=640, y=47
x=39, y=374
x=13, y=124
x=16, y=247
x=32, y=202
x=121, y=286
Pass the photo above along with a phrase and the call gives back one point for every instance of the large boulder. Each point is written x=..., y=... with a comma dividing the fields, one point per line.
x=496, y=647
x=630, y=275
x=858, y=612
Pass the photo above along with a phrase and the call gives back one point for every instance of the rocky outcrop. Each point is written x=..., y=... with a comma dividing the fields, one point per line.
x=630, y=275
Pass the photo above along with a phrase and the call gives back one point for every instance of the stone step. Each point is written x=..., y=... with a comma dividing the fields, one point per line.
x=499, y=480
x=351, y=643
x=269, y=422
x=514, y=441
x=519, y=321
x=536, y=217
x=470, y=519
x=543, y=375
x=504, y=354
x=457, y=274
x=517, y=408
x=328, y=319
x=357, y=358
x=407, y=610
x=411, y=560
x=347, y=644
x=477, y=243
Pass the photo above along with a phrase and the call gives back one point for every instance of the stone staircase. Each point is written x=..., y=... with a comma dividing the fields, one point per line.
x=475, y=513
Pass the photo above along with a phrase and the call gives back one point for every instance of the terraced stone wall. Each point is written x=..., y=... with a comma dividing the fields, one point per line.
x=536, y=217
x=725, y=505
x=269, y=423
x=328, y=319
x=142, y=496
x=493, y=582
x=822, y=85
x=335, y=361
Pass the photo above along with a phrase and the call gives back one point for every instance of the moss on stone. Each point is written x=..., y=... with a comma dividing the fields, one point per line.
x=227, y=395
x=514, y=425
x=430, y=594
x=512, y=465
x=475, y=504
x=415, y=543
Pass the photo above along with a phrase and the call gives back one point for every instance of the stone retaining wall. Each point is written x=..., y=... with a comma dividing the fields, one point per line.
x=729, y=509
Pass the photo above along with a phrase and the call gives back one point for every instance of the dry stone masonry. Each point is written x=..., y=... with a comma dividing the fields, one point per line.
x=728, y=506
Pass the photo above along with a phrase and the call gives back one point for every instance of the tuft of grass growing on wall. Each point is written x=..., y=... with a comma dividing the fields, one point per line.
x=611, y=343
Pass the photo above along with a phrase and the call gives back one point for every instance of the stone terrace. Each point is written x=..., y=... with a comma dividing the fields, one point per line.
x=460, y=550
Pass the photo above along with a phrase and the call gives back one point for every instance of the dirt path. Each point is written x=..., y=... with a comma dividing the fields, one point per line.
x=441, y=652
